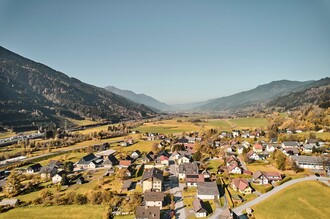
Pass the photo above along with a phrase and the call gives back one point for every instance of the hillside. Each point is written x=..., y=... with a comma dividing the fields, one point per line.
x=316, y=93
x=33, y=93
x=253, y=98
x=140, y=98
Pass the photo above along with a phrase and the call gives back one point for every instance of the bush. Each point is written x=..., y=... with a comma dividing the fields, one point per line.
x=80, y=199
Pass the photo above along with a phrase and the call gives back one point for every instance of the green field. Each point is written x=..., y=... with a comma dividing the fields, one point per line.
x=303, y=200
x=56, y=212
x=220, y=124
x=249, y=123
x=168, y=127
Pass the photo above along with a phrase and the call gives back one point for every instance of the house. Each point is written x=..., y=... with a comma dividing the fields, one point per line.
x=95, y=163
x=235, y=133
x=312, y=162
x=145, y=212
x=124, y=163
x=163, y=160
x=206, y=174
x=48, y=171
x=34, y=168
x=105, y=154
x=183, y=159
x=257, y=148
x=110, y=161
x=289, y=144
x=58, y=177
x=270, y=148
x=154, y=199
x=193, y=179
x=187, y=169
x=129, y=171
x=246, y=144
x=251, y=155
x=198, y=208
x=240, y=149
x=152, y=180
x=290, y=151
x=55, y=163
x=135, y=154
x=149, y=157
x=127, y=143
x=266, y=177
x=234, y=168
x=80, y=180
x=308, y=148
x=126, y=185
x=85, y=161
x=9, y=202
x=207, y=190
x=312, y=141
x=241, y=185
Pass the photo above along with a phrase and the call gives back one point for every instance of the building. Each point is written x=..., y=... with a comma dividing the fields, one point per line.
x=188, y=169
x=312, y=162
x=193, y=179
x=266, y=177
x=34, y=168
x=58, y=177
x=110, y=161
x=241, y=185
x=145, y=212
x=85, y=161
x=208, y=190
x=289, y=144
x=257, y=148
x=152, y=180
x=154, y=199
x=198, y=208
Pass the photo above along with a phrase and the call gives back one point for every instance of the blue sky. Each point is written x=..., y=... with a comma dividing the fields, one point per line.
x=175, y=51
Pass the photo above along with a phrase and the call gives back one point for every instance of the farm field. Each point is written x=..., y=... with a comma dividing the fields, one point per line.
x=169, y=127
x=249, y=123
x=303, y=200
x=141, y=145
x=64, y=212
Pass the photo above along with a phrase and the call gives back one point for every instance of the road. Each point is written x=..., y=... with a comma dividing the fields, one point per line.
x=262, y=197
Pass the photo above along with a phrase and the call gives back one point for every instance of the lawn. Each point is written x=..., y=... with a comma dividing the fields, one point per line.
x=303, y=200
x=214, y=164
x=262, y=167
x=249, y=123
x=168, y=127
x=55, y=212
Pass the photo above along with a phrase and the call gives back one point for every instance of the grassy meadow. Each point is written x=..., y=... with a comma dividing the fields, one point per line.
x=54, y=212
x=303, y=200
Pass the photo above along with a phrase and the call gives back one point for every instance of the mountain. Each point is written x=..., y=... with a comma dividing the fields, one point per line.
x=253, y=98
x=33, y=93
x=316, y=93
x=140, y=98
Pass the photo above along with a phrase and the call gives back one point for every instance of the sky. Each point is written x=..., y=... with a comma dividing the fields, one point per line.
x=175, y=51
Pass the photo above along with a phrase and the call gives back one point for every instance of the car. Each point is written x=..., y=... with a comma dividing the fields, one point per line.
x=317, y=174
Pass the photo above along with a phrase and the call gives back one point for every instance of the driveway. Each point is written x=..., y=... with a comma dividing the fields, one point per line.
x=262, y=197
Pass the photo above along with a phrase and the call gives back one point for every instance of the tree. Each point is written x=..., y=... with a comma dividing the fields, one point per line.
x=13, y=185
x=68, y=166
x=64, y=180
x=197, y=156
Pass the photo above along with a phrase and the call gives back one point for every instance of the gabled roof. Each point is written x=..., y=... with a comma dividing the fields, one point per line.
x=87, y=159
x=188, y=168
x=197, y=205
x=125, y=163
x=143, y=212
x=35, y=166
x=153, y=196
x=268, y=175
x=257, y=146
x=207, y=188
x=111, y=160
x=241, y=183
x=152, y=173
x=290, y=143
x=127, y=184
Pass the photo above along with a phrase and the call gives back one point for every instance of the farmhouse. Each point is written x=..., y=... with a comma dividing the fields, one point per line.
x=311, y=162
x=207, y=190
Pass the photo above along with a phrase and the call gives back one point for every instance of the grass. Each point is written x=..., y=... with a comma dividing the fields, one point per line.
x=262, y=167
x=249, y=123
x=168, y=127
x=81, y=122
x=143, y=146
x=303, y=200
x=220, y=124
x=7, y=134
x=132, y=216
x=214, y=164
x=54, y=212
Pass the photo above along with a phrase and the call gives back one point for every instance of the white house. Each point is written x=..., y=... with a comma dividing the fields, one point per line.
x=208, y=190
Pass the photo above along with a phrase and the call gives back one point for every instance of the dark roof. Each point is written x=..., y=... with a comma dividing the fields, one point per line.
x=153, y=196
x=61, y=173
x=153, y=172
x=35, y=167
x=188, y=168
x=51, y=169
x=207, y=188
x=143, y=212
x=55, y=163
x=290, y=143
x=111, y=160
x=87, y=159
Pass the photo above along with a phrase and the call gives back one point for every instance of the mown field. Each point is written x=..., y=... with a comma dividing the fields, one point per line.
x=169, y=127
x=303, y=200
x=55, y=212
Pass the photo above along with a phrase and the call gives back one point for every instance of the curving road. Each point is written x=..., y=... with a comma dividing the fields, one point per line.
x=262, y=197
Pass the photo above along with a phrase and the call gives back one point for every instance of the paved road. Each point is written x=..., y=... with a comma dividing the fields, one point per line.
x=262, y=197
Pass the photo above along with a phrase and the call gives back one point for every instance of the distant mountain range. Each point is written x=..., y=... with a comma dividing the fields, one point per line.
x=141, y=99
x=34, y=93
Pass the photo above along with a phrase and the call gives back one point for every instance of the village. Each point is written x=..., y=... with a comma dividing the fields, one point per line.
x=186, y=175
